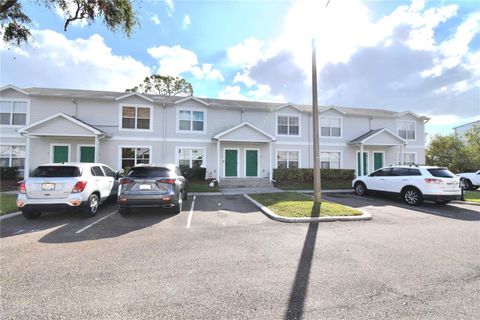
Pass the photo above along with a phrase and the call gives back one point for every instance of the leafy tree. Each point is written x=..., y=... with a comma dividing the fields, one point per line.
x=164, y=85
x=116, y=14
x=454, y=152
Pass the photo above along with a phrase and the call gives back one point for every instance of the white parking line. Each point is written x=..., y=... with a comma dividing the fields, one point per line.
x=190, y=214
x=95, y=222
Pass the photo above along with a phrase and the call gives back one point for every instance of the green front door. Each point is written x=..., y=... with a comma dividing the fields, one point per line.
x=251, y=163
x=231, y=162
x=377, y=160
x=87, y=154
x=365, y=163
x=60, y=154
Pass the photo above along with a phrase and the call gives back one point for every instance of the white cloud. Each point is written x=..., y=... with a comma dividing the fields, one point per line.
x=247, y=53
x=176, y=60
x=155, y=19
x=169, y=7
x=260, y=93
x=232, y=93
x=244, y=78
x=52, y=60
x=186, y=22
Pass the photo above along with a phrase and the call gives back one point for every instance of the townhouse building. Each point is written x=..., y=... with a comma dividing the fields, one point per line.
x=231, y=139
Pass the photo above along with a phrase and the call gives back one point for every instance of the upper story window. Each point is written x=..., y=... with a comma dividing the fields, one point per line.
x=191, y=120
x=406, y=129
x=330, y=127
x=136, y=117
x=13, y=113
x=288, y=125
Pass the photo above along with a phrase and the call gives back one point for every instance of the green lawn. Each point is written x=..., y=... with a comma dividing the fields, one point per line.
x=473, y=196
x=8, y=203
x=201, y=186
x=295, y=205
x=327, y=185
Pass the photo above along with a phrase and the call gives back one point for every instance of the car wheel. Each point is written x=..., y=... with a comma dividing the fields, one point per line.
x=31, y=214
x=360, y=188
x=467, y=184
x=91, y=207
x=442, y=201
x=412, y=196
x=178, y=207
x=124, y=211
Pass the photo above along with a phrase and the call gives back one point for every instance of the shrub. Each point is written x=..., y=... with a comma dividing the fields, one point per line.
x=306, y=174
x=9, y=173
x=194, y=173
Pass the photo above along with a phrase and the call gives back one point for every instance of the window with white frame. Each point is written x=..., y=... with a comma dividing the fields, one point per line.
x=191, y=157
x=287, y=159
x=190, y=120
x=12, y=156
x=134, y=117
x=13, y=113
x=408, y=158
x=131, y=156
x=330, y=127
x=288, y=125
x=330, y=160
x=406, y=129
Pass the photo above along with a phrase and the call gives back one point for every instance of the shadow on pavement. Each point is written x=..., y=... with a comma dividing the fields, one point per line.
x=446, y=211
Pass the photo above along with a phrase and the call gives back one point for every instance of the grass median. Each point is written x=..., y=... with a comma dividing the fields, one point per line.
x=296, y=205
x=326, y=184
x=8, y=203
x=472, y=196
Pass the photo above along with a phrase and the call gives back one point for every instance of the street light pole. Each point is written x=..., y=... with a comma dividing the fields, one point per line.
x=317, y=187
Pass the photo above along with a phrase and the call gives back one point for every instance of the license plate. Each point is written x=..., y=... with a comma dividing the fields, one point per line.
x=145, y=187
x=48, y=186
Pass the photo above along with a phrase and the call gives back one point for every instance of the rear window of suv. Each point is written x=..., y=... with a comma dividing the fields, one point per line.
x=56, y=172
x=148, y=172
x=441, y=173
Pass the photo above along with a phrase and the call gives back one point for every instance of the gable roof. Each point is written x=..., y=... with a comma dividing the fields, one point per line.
x=289, y=105
x=72, y=119
x=13, y=88
x=372, y=133
x=192, y=98
x=331, y=108
x=241, y=125
x=133, y=94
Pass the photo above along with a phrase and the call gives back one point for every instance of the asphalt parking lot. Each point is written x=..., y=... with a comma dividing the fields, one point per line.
x=222, y=259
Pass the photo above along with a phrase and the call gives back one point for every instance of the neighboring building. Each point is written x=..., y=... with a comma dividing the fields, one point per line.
x=460, y=130
x=231, y=139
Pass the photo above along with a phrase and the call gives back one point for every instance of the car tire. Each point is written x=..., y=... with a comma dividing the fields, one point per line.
x=124, y=211
x=178, y=206
x=442, y=201
x=467, y=184
x=31, y=214
x=360, y=189
x=90, y=208
x=412, y=196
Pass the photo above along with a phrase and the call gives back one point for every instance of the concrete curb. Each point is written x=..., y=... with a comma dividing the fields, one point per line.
x=10, y=215
x=323, y=191
x=467, y=202
x=272, y=215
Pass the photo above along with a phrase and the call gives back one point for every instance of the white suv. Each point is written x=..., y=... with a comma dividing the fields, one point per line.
x=66, y=186
x=470, y=180
x=413, y=183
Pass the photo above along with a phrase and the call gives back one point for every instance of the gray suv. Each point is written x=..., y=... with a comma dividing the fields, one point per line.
x=145, y=186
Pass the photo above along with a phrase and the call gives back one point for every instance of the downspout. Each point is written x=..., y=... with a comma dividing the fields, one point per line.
x=309, y=150
x=241, y=115
x=75, y=108
x=164, y=133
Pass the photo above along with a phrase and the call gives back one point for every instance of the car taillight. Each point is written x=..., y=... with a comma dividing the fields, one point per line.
x=435, y=181
x=79, y=186
x=167, y=181
x=125, y=181
x=21, y=187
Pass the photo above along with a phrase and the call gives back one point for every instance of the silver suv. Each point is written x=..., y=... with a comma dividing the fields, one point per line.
x=81, y=186
x=413, y=183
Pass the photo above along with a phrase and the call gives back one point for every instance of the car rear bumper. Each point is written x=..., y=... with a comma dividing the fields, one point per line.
x=147, y=201
x=73, y=201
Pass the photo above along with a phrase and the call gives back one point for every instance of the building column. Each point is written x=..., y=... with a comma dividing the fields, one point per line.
x=97, y=147
x=361, y=173
x=270, y=174
x=26, y=168
x=401, y=154
x=218, y=161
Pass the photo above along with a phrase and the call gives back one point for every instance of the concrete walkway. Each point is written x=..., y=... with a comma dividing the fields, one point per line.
x=241, y=191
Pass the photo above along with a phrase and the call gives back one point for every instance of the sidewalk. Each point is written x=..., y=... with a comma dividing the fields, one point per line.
x=241, y=191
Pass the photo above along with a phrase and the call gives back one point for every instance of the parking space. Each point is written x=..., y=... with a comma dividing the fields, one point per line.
x=224, y=259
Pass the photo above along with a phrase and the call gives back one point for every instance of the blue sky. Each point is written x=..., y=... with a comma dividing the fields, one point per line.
x=398, y=55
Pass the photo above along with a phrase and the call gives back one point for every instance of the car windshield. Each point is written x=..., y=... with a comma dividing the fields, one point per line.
x=441, y=173
x=148, y=172
x=56, y=172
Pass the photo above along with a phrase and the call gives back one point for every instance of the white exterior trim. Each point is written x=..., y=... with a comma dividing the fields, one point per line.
x=67, y=117
x=120, y=147
x=245, y=162
x=59, y=145
x=218, y=136
x=136, y=106
x=288, y=160
x=225, y=162
x=79, y=148
x=191, y=109
x=403, y=141
x=331, y=108
x=299, y=135
x=27, y=117
x=134, y=94
x=10, y=86
x=192, y=98
x=289, y=105
x=357, y=152
x=204, y=162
